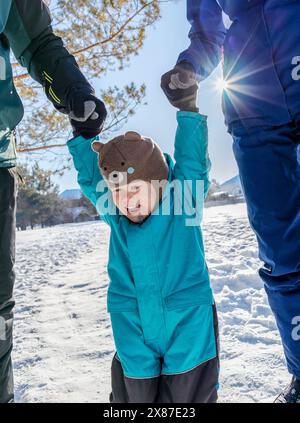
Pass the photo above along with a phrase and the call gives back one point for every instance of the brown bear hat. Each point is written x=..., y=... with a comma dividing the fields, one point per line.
x=129, y=157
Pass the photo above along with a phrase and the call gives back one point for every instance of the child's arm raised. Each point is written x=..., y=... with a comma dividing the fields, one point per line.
x=191, y=143
x=191, y=148
x=89, y=177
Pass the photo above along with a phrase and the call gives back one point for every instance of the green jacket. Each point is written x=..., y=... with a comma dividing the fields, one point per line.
x=25, y=28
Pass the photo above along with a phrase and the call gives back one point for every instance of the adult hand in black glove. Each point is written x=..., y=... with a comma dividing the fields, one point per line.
x=181, y=87
x=86, y=112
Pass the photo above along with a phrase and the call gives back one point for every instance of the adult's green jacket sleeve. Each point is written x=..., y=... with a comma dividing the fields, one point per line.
x=35, y=46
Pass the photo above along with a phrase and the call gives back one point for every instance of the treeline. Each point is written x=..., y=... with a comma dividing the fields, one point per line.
x=39, y=203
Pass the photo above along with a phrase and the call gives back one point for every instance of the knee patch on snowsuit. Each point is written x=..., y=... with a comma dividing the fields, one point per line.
x=173, y=384
x=186, y=339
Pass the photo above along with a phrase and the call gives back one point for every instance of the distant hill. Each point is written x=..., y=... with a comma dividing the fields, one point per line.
x=233, y=186
x=71, y=194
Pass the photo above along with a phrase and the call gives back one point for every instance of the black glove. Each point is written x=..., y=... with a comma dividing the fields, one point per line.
x=181, y=87
x=86, y=112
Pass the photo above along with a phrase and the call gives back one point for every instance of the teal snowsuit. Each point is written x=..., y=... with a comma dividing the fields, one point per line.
x=159, y=296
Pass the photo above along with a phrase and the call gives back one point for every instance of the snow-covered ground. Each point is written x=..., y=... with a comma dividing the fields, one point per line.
x=63, y=340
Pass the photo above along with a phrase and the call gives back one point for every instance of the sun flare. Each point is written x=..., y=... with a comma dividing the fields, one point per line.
x=221, y=84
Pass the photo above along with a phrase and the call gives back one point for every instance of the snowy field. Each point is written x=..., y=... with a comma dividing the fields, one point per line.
x=63, y=340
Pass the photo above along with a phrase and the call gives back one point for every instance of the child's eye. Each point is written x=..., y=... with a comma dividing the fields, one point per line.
x=135, y=188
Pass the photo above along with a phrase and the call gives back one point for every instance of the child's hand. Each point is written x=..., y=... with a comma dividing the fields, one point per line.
x=181, y=87
x=86, y=112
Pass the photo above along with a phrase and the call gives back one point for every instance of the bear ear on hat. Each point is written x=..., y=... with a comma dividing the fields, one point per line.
x=97, y=146
x=132, y=136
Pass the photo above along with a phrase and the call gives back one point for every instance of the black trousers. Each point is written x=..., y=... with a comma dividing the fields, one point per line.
x=198, y=385
x=8, y=193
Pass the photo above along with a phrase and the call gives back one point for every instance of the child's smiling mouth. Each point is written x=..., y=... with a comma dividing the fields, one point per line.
x=133, y=210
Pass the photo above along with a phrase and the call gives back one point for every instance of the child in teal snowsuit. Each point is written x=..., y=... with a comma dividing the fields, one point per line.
x=159, y=298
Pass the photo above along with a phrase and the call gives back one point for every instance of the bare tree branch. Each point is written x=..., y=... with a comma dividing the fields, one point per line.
x=117, y=26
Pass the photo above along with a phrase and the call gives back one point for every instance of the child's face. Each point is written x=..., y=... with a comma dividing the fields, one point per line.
x=136, y=200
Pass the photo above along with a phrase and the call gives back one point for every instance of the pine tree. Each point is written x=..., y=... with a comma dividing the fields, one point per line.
x=38, y=200
x=103, y=36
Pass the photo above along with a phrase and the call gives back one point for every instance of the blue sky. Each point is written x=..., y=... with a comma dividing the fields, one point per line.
x=157, y=119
